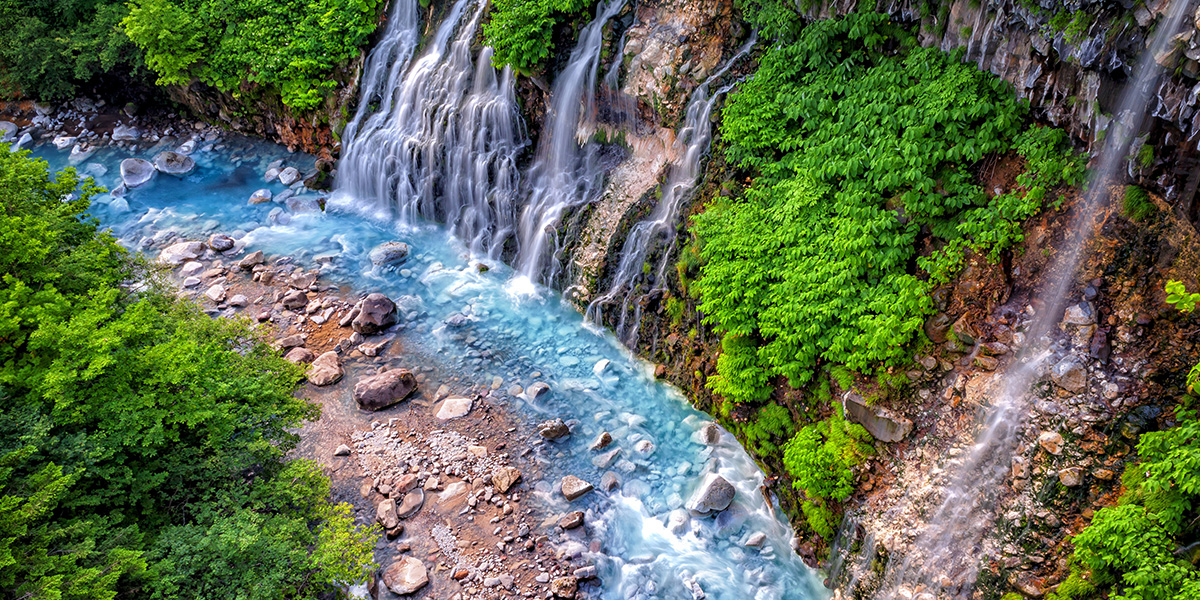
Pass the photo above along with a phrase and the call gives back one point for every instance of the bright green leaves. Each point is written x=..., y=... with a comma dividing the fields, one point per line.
x=521, y=31
x=130, y=423
x=1180, y=298
x=290, y=47
x=863, y=145
x=819, y=458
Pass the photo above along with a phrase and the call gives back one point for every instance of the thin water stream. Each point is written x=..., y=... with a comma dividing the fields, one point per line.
x=945, y=557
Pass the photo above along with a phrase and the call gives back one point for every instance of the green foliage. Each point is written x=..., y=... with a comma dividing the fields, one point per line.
x=1074, y=587
x=248, y=47
x=1133, y=550
x=1136, y=204
x=1180, y=298
x=740, y=377
x=142, y=444
x=1145, y=156
x=774, y=19
x=675, y=308
x=521, y=31
x=772, y=426
x=49, y=47
x=820, y=457
x=860, y=140
x=820, y=518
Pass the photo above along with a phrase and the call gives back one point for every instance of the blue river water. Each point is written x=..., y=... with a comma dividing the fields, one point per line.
x=516, y=331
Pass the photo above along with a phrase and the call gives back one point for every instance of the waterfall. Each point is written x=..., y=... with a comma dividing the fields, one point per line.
x=658, y=230
x=437, y=140
x=565, y=172
x=946, y=554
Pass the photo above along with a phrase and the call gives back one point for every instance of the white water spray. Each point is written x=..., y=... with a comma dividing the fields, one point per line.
x=945, y=557
x=443, y=143
x=565, y=173
x=658, y=230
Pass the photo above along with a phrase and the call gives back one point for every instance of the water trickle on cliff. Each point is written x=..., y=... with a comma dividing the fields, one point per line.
x=945, y=555
x=632, y=281
x=436, y=140
x=566, y=172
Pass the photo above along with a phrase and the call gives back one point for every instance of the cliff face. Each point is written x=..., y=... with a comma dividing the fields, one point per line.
x=316, y=131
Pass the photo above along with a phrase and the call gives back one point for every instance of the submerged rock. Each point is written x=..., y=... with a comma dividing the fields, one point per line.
x=385, y=389
x=174, y=163
x=573, y=487
x=405, y=576
x=389, y=253
x=715, y=494
x=125, y=133
x=375, y=313
x=220, y=242
x=260, y=197
x=553, y=429
x=537, y=390
x=136, y=172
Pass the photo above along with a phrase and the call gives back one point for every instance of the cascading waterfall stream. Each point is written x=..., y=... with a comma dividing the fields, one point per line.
x=444, y=141
x=658, y=230
x=565, y=173
x=944, y=559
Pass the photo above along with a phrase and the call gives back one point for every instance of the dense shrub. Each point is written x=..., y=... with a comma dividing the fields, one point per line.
x=142, y=444
x=861, y=143
x=288, y=47
x=521, y=31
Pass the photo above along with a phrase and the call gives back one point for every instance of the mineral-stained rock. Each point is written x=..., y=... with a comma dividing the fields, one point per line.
x=1071, y=476
x=504, y=478
x=260, y=197
x=553, y=429
x=380, y=391
x=602, y=441
x=573, y=487
x=715, y=494
x=326, y=369
x=405, y=576
x=375, y=313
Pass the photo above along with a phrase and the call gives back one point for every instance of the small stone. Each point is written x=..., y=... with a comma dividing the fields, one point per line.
x=585, y=573
x=565, y=588
x=573, y=487
x=216, y=293
x=300, y=355
x=987, y=363
x=537, y=390
x=260, y=197
x=504, y=478
x=191, y=268
x=602, y=441
x=1080, y=314
x=385, y=514
x=326, y=369
x=715, y=494
x=385, y=389
x=1103, y=474
x=1071, y=476
x=252, y=260
x=453, y=408
x=553, y=429
x=405, y=576
x=1051, y=442
x=342, y=450
x=1069, y=375
x=571, y=520
x=239, y=301
x=610, y=481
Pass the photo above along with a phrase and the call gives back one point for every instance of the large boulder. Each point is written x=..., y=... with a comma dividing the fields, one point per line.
x=289, y=176
x=405, y=576
x=136, y=172
x=174, y=163
x=220, y=242
x=177, y=254
x=714, y=495
x=385, y=389
x=326, y=369
x=573, y=487
x=376, y=312
x=389, y=253
x=8, y=131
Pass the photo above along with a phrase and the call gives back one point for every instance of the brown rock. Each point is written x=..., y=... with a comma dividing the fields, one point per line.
x=411, y=503
x=573, y=487
x=376, y=312
x=405, y=576
x=385, y=389
x=295, y=300
x=385, y=514
x=571, y=520
x=326, y=370
x=565, y=587
x=504, y=478
x=299, y=355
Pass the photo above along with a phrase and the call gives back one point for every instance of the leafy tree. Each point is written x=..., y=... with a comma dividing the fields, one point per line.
x=248, y=47
x=142, y=444
x=49, y=47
